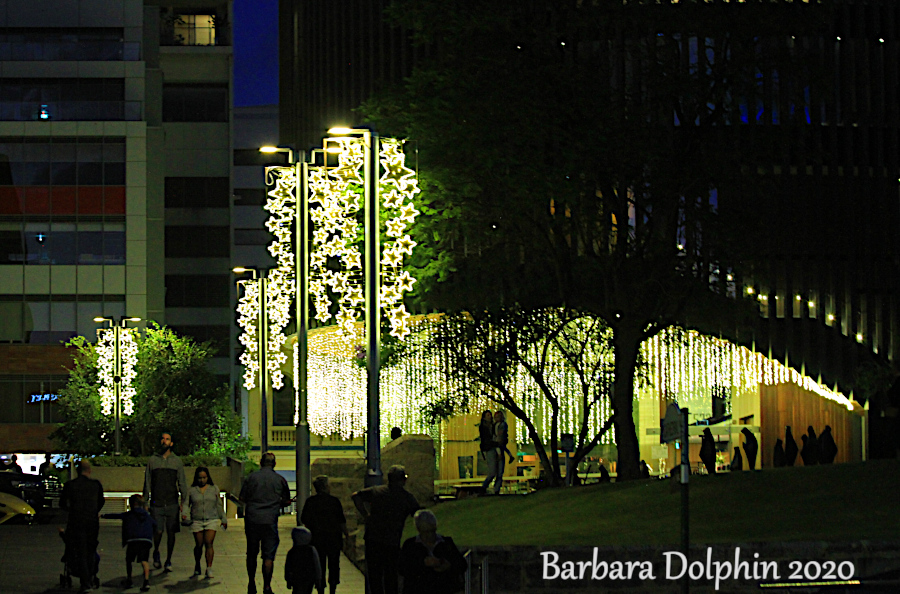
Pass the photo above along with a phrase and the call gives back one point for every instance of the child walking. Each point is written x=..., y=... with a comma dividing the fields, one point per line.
x=301, y=568
x=137, y=537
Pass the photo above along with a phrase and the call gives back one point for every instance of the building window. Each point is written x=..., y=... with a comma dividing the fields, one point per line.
x=52, y=319
x=29, y=399
x=66, y=99
x=62, y=177
x=198, y=290
x=195, y=103
x=66, y=44
x=199, y=26
x=197, y=192
x=198, y=242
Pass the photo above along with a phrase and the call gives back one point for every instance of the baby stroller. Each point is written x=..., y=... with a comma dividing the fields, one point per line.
x=70, y=567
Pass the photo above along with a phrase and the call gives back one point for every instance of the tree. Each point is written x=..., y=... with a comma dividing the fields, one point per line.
x=175, y=393
x=594, y=157
x=488, y=349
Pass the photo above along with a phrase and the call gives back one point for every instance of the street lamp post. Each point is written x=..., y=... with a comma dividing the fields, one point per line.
x=301, y=302
x=262, y=345
x=372, y=294
x=117, y=330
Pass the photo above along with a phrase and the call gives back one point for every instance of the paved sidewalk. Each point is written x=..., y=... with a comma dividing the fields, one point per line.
x=29, y=563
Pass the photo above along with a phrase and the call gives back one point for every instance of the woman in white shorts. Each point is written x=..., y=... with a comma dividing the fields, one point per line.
x=207, y=515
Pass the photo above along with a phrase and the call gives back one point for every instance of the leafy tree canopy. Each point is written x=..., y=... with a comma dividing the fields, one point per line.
x=591, y=155
x=176, y=393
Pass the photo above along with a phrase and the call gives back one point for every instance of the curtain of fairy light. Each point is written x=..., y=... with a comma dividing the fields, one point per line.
x=677, y=365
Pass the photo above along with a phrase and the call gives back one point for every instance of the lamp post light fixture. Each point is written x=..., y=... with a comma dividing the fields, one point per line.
x=301, y=303
x=253, y=305
x=117, y=351
x=372, y=272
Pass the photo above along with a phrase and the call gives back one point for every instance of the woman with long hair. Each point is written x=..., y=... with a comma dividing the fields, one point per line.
x=488, y=446
x=207, y=516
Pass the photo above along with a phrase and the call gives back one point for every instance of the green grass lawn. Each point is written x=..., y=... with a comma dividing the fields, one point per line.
x=840, y=502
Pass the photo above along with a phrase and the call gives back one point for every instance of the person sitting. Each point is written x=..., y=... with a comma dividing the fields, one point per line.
x=430, y=563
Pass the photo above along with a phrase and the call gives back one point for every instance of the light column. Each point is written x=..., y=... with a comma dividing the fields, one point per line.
x=372, y=269
x=119, y=373
x=257, y=285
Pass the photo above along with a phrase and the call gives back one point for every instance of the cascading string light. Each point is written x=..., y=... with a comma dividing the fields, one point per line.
x=106, y=367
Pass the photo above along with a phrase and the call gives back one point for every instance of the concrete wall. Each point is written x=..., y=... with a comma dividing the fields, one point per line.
x=130, y=479
x=346, y=475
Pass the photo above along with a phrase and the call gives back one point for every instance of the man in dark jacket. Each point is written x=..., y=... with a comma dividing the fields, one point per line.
x=324, y=516
x=83, y=498
x=263, y=494
x=385, y=509
x=166, y=488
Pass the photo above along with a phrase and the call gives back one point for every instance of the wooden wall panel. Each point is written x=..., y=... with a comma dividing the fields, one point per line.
x=787, y=404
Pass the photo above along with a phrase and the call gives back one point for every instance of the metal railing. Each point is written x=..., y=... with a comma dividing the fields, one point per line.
x=485, y=578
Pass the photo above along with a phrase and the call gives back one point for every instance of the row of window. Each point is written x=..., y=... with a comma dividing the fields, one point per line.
x=19, y=405
x=66, y=44
x=60, y=173
x=83, y=243
x=63, y=200
x=51, y=319
x=85, y=149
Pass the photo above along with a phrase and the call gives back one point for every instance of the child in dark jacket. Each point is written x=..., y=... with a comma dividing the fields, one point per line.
x=301, y=568
x=137, y=536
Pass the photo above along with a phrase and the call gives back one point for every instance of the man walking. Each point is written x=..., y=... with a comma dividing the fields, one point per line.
x=385, y=509
x=324, y=516
x=166, y=488
x=263, y=494
x=82, y=497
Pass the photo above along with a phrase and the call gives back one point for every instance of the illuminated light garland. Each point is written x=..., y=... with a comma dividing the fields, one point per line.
x=248, y=320
x=682, y=366
x=106, y=367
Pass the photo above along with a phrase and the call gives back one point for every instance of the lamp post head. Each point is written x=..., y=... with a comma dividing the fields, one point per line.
x=278, y=149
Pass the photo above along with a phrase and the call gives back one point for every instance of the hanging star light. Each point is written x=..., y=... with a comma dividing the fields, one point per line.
x=106, y=368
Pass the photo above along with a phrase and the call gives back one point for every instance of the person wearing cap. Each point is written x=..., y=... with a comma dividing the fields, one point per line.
x=385, y=509
x=302, y=570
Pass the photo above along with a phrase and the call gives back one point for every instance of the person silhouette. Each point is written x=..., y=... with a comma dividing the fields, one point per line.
x=751, y=448
x=778, y=458
x=812, y=445
x=737, y=462
x=827, y=447
x=708, y=451
x=790, y=447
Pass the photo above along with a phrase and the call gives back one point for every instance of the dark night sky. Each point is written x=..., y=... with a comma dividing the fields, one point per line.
x=255, y=52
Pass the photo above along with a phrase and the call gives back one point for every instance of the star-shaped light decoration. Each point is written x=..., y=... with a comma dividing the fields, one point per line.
x=390, y=294
x=408, y=212
x=404, y=281
x=354, y=296
x=394, y=199
x=393, y=256
x=406, y=244
x=396, y=227
x=398, y=317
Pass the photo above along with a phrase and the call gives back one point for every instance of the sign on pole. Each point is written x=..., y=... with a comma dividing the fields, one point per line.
x=671, y=427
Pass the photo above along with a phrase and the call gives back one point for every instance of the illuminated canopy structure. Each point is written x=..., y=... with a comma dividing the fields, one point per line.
x=680, y=365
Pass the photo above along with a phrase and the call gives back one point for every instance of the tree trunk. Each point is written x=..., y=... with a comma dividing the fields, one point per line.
x=626, y=342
